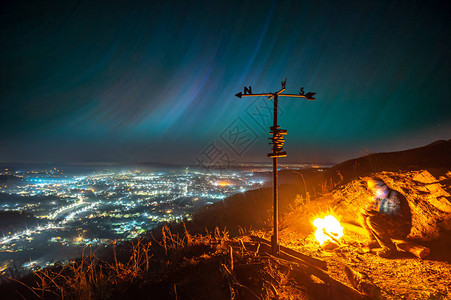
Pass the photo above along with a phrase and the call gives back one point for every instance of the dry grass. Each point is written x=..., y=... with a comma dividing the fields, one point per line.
x=91, y=277
x=242, y=271
x=253, y=274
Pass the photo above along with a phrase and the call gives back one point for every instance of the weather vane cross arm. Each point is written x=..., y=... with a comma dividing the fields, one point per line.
x=248, y=93
x=308, y=96
x=239, y=95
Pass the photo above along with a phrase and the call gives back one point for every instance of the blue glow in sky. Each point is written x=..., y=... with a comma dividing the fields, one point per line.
x=123, y=81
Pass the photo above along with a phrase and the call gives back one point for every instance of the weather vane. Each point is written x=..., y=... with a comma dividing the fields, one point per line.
x=277, y=144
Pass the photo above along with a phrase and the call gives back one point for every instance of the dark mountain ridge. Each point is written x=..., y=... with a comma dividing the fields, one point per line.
x=434, y=155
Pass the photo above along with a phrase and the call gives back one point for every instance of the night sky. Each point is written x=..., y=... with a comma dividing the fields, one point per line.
x=134, y=81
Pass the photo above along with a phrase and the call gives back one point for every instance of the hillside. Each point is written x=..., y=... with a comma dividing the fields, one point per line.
x=433, y=157
x=436, y=155
x=220, y=254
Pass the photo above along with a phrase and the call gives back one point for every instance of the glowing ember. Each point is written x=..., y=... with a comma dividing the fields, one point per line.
x=328, y=229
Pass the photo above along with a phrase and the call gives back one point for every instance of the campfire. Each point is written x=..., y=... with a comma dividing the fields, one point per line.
x=328, y=229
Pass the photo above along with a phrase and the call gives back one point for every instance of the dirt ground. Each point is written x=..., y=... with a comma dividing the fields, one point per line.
x=404, y=276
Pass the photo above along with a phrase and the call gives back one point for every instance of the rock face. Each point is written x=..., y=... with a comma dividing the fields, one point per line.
x=429, y=199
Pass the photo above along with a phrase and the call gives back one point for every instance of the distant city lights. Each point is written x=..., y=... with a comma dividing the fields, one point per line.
x=99, y=206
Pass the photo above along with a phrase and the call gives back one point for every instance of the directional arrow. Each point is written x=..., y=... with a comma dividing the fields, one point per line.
x=309, y=96
x=239, y=95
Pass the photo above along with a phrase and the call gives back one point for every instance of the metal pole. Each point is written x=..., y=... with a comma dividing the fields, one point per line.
x=275, y=238
x=277, y=142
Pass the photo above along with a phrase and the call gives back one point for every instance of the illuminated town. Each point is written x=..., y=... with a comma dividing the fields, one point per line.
x=63, y=212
